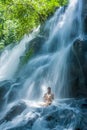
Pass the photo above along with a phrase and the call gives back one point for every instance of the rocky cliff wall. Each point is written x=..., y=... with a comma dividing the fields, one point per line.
x=84, y=16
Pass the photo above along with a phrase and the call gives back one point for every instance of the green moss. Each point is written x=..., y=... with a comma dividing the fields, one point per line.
x=27, y=56
x=1, y=45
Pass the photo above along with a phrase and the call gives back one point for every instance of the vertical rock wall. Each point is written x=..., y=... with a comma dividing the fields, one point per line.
x=84, y=16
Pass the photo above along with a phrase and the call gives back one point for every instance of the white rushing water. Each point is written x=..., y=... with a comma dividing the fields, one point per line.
x=10, y=58
x=49, y=68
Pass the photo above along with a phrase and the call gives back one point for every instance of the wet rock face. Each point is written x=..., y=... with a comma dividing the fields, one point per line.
x=78, y=69
x=57, y=118
x=4, y=88
x=84, y=16
x=85, y=24
x=36, y=44
x=8, y=89
x=13, y=112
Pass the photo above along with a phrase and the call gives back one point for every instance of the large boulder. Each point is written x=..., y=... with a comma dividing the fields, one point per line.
x=8, y=89
x=16, y=110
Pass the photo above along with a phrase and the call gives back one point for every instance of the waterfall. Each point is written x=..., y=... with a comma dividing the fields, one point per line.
x=68, y=25
x=10, y=58
x=52, y=66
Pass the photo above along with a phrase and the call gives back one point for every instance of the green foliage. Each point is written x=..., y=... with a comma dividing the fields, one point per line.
x=19, y=17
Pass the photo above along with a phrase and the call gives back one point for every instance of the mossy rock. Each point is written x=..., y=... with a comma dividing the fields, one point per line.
x=1, y=45
x=24, y=59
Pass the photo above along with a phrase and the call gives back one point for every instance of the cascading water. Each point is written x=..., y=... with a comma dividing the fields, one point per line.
x=50, y=67
x=55, y=70
x=9, y=60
